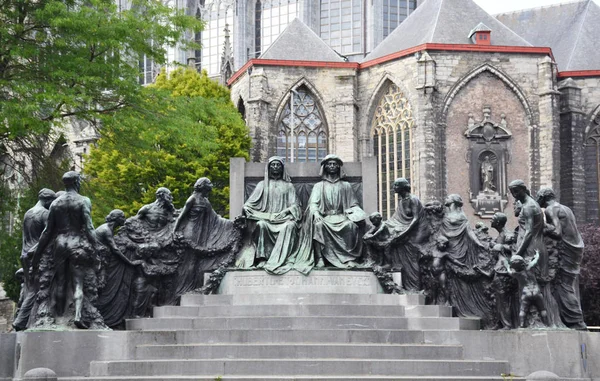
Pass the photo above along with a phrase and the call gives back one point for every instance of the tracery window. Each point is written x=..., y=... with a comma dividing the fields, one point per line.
x=302, y=131
x=392, y=143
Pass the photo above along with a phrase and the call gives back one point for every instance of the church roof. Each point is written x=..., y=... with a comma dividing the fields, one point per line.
x=445, y=22
x=300, y=43
x=570, y=29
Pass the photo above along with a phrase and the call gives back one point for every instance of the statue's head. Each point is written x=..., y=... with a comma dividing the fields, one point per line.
x=401, y=186
x=375, y=218
x=72, y=179
x=454, y=199
x=203, y=185
x=46, y=196
x=20, y=275
x=482, y=227
x=276, y=167
x=117, y=216
x=517, y=262
x=499, y=249
x=544, y=195
x=164, y=194
x=519, y=190
x=331, y=165
x=499, y=220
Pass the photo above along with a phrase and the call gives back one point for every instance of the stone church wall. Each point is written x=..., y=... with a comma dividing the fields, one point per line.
x=270, y=90
x=520, y=91
x=587, y=209
x=437, y=131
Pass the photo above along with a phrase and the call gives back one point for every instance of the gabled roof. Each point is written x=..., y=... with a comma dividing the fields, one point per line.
x=570, y=29
x=481, y=27
x=299, y=42
x=444, y=22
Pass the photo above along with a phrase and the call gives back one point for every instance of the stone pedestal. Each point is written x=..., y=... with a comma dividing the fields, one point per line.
x=318, y=282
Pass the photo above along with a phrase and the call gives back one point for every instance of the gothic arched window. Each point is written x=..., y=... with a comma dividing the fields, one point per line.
x=302, y=131
x=392, y=135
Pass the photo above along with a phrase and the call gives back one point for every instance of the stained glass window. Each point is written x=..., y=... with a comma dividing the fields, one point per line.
x=392, y=139
x=302, y=130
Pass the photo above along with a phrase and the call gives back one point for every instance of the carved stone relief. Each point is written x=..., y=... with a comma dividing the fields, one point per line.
x=488, y=156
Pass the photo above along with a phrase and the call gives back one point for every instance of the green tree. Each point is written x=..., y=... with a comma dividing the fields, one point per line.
x=64, y=59
x=72, y=58
x=188, y=128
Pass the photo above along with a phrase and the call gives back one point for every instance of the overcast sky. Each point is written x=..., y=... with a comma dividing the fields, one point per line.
x=499, y=6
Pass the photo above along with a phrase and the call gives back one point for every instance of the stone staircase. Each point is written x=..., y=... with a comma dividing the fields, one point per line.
x=312, y=336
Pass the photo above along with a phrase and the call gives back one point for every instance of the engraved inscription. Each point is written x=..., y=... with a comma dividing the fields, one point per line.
x=313, y=280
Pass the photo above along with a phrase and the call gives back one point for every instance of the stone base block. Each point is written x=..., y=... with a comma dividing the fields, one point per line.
x=317, y=282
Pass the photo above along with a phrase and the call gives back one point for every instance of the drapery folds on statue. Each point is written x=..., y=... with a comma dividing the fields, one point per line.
x=331, y=233
x=273, y=213
x=208, y=239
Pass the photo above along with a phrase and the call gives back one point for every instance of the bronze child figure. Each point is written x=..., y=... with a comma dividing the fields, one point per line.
x=439, y=255
x=531, y=293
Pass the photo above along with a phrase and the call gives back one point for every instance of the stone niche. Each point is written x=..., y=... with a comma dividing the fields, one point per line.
x=487, y=157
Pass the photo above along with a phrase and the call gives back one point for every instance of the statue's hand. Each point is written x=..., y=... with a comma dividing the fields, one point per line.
x=239, y=222
x=281, y=215
x=317, y=217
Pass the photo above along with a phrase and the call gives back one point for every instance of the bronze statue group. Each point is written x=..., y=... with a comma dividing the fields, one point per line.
x=76, y=276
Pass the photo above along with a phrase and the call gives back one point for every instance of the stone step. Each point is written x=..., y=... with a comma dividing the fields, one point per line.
x=302, y=310
x=304, y=351
x=305, y=322
x=262, y=336
x=292, y=378
x=329, y=299
x=278, y=310
x=304, y=367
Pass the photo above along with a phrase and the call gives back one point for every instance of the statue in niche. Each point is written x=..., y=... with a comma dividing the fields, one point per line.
x=530, y=290
x=209, y=240
x=561, y=226
x=34, y=223
x=331, y=232
x=530, y=240
x=487, y=175
x=67, y=263
x=117, y=274
x=273, y=213
x=408, y=231
x=488, y=156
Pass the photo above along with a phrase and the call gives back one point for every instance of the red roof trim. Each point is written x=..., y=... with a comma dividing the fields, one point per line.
x=263, y=62
x=400, y=54
x=579, y=73
x=458, y=48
